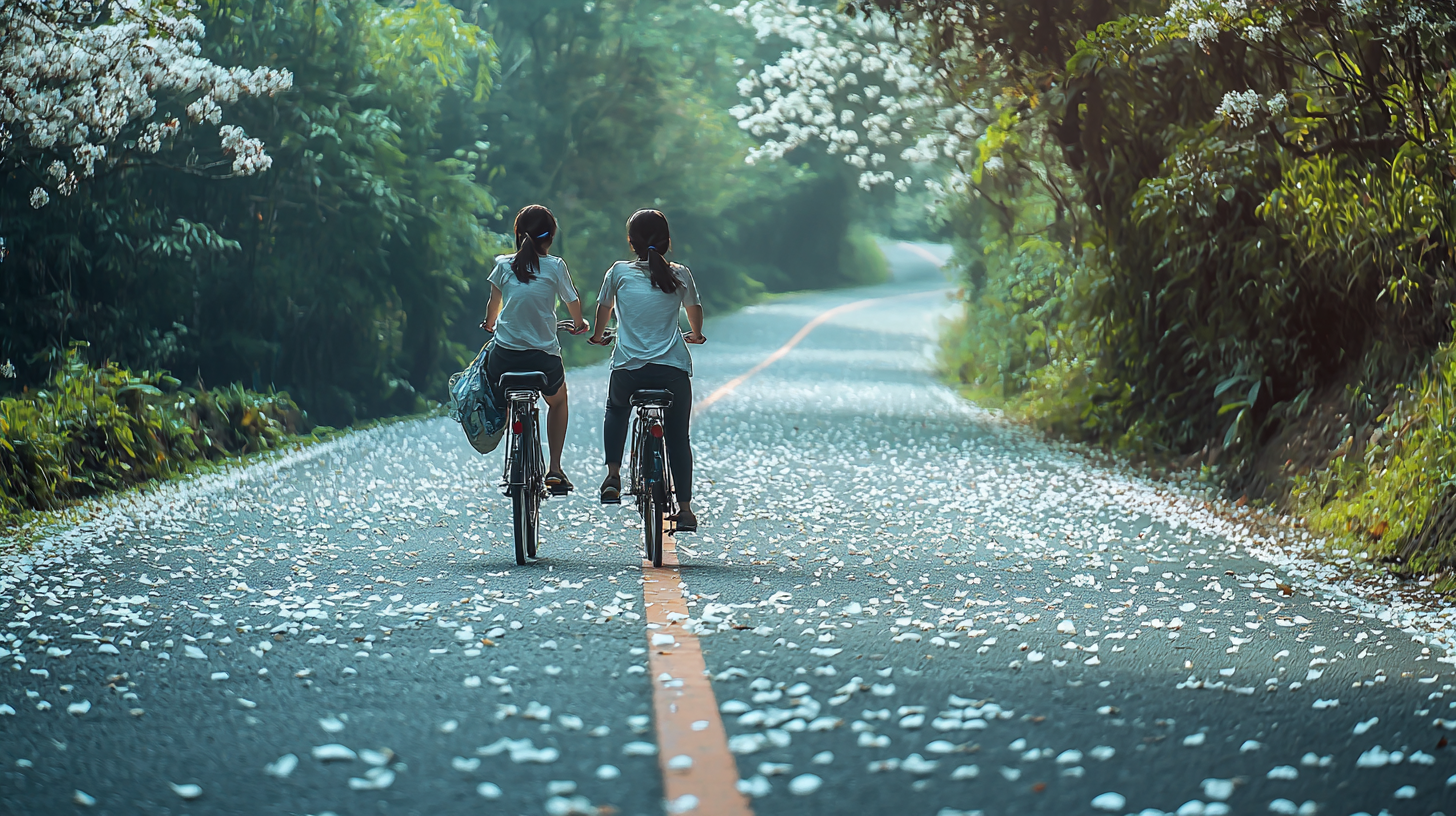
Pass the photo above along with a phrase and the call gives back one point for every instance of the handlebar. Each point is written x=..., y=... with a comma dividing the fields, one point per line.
x=561, y=325
x=609, y=336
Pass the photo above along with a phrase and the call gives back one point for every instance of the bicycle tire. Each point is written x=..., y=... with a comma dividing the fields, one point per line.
x=644, y=506
x=534, y=517
x=521, y=517
x=652, y=523
x=536, y=484
x=659, y=516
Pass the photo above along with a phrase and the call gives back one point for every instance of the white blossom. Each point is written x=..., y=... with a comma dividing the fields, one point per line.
x=76, y=74
x=851, y=85
x=1240, y=107
x=39, y=197
x=87, y=155
x=248, y=154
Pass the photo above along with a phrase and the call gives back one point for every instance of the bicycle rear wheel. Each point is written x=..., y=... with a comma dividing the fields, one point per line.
x=521, y=514
x=659, y=515
x=533, y=515
x=652, y=509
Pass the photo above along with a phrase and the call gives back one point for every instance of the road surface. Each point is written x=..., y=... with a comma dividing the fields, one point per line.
x=903, y=605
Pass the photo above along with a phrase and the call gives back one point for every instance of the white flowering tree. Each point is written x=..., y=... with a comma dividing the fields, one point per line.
x=924, y=81
x=87, y=85
x=903, y=105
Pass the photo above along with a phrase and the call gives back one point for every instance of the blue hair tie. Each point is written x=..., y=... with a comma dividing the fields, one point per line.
x=543, y=235
x=653, y=249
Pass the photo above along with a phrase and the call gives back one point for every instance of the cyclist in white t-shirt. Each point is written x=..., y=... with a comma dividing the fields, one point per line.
x=524, y=288
x=651, y=352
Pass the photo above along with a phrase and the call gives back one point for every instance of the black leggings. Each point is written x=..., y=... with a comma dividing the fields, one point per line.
x=675, y=425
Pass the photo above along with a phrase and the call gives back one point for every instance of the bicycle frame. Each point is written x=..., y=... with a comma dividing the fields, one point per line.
x=524, y=479
x=524, y=462
x=650, y=481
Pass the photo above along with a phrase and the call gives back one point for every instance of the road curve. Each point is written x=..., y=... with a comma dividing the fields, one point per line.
x=903, y=605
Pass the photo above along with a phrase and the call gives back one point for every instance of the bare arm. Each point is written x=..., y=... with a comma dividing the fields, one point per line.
x=604, y=314
x=574, y=307
x=492, y=311
x=695, y=323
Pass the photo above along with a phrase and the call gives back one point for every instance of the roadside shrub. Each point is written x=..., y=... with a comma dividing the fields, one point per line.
x=96, y=428
x=1392, y=492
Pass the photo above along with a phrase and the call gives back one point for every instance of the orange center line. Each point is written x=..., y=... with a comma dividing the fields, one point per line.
x=686, y=711
x=699, y=773
x=732, y=385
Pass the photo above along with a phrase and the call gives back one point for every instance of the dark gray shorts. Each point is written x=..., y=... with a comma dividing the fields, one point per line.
x=504, y=360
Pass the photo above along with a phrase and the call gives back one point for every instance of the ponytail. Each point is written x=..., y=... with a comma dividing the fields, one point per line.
x=662, y=275
x=527, y=261
x=533, y=223
x=650, y=238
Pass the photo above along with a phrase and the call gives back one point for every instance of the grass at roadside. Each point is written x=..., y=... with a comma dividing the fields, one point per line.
x=1391, y=491
x=1387, y=493
x=97, y=429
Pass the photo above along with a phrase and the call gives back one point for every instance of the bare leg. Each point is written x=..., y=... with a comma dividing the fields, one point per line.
x=556, y=427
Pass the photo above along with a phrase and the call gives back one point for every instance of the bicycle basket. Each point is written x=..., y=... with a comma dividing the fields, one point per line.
x=473, y=406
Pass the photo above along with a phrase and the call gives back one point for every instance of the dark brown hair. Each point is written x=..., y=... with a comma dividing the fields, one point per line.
x=648, y=234
x=534, y=223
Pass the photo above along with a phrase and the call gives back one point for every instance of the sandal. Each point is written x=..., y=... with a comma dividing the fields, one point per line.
x=611, y=491
x=558, y=484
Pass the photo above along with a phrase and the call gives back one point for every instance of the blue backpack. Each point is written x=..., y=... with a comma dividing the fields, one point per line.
x=473, y=405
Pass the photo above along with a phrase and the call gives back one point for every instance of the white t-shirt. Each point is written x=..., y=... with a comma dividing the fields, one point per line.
x=528, y=310
x=647, y=329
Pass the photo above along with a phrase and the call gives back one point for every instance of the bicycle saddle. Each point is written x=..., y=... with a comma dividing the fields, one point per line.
x=652, y=399
x=523, y=381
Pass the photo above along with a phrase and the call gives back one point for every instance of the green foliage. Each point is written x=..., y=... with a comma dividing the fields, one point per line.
x=95, y=428
x=353, y=273
x=1393, y=494
x=337, y=274
x=861, y=261
x=1147, y=273
x=603, y=108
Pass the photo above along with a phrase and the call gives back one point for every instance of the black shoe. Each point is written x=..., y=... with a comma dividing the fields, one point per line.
x=612, y=490
x=685, y=521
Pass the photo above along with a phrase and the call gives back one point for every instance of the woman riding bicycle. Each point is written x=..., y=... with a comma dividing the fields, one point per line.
x=651, y=353
x=524, y=288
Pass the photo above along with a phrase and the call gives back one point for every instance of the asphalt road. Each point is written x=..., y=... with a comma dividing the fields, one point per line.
x=906, y=606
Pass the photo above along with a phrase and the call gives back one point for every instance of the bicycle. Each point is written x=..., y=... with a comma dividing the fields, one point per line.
x=524, y=479
x=649, y=481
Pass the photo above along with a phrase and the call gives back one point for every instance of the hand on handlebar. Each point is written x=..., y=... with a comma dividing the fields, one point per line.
x=694, y=338
x=485, y=324
x=573, y=326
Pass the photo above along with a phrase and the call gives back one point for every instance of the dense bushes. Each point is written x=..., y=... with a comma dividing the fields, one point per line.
x=94, y=428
